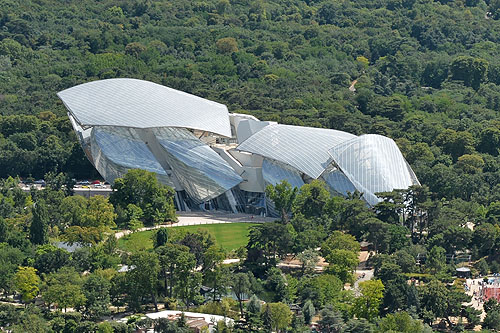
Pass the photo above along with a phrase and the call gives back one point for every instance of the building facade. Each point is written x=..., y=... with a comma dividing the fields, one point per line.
x=220, y=160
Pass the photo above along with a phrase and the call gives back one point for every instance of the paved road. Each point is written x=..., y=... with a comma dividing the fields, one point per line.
x=368, y=276
x=200, y=218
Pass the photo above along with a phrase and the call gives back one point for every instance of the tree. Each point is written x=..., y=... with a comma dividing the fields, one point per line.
x=352, y=213
x=141, y=188
x=31, y=321
x=342, y=264
x=135, y=49
x=311, y=198
x=401, y=322
x=267, y=242
x=143, y=277
x=3, y=230
x=309, y=311
x=470, y=163
x=309, y=258
x=240, y=284
x=96, y=291
x=436, y=259
x=49, y=258
x=283, y=195
x=214, y=273
x=10, y=259
x=492, y=320
x=339, y=241
x=105, y=327
x=489, y=140
x=161, y=237
x=417, y=202
x=470, y=70
x=88, y=219
x=99, y=213
x=438, y=300
x=8, y=314
x=322, y=290
x=134, y=217
x=27, y=283
x=63, y=289
x=198, y=243
x=376, y=233
x=330, y=321
x=40, y=223
x=358, y=326
x=367, y=305
x=485, y=236
x=175, y=261
x=72, y=209
x=472, y=315
x=253, y=316
x=391, y=208
x=279, y=316
x=227, y=45
x=341, y=251
x=86, y=235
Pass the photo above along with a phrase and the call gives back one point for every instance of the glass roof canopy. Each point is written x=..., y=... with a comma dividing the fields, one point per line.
x=304, y=148
x=142, y=104
x=116, y=150
x=373, y=163
x=201, y=171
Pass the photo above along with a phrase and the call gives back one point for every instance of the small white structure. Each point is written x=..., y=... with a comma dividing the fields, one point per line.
x=210, y=319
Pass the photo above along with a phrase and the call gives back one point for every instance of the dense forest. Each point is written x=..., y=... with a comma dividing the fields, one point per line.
x=425, y=73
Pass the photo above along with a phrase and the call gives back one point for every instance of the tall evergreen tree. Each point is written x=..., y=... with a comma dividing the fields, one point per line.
x=3, y=230
x=39, y=223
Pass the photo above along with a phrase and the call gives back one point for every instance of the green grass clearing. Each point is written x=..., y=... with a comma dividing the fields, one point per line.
x=229, y=235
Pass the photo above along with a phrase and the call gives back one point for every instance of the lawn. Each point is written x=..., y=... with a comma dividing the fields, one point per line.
x=229, y=235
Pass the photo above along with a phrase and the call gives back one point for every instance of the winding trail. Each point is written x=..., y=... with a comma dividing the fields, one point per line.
x=353, y=83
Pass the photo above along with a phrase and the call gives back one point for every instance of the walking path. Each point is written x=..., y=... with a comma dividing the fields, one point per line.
x=199, y=218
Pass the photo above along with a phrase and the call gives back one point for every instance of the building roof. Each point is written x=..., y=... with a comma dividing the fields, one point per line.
x=304, y=148
x=373, y=163
x=209, y=318
x=463, y=269
x=142, y=104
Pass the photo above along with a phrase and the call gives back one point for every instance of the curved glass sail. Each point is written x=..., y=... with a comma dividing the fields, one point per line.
x=338, y=182
x=275, y=172
x=199, y=169
x=373, y=163
x=117, y=150
x=304, y=148
x=142, y=104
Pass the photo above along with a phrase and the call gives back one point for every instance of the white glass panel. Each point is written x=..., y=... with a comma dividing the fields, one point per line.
x=142, y=104
x=304, y=148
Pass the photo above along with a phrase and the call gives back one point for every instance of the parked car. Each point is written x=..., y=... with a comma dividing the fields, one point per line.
x=84, y=182
x=96, y=182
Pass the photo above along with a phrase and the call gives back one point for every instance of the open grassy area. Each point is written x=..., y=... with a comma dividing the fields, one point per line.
x=229, y=235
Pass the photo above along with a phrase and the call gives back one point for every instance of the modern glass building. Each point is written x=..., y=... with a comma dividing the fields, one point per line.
x=220, y=160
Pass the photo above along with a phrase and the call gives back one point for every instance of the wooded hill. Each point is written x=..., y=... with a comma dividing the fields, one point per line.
x=427, y=73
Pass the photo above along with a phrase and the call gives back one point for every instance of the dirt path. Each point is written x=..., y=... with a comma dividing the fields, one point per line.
x=353, y=83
